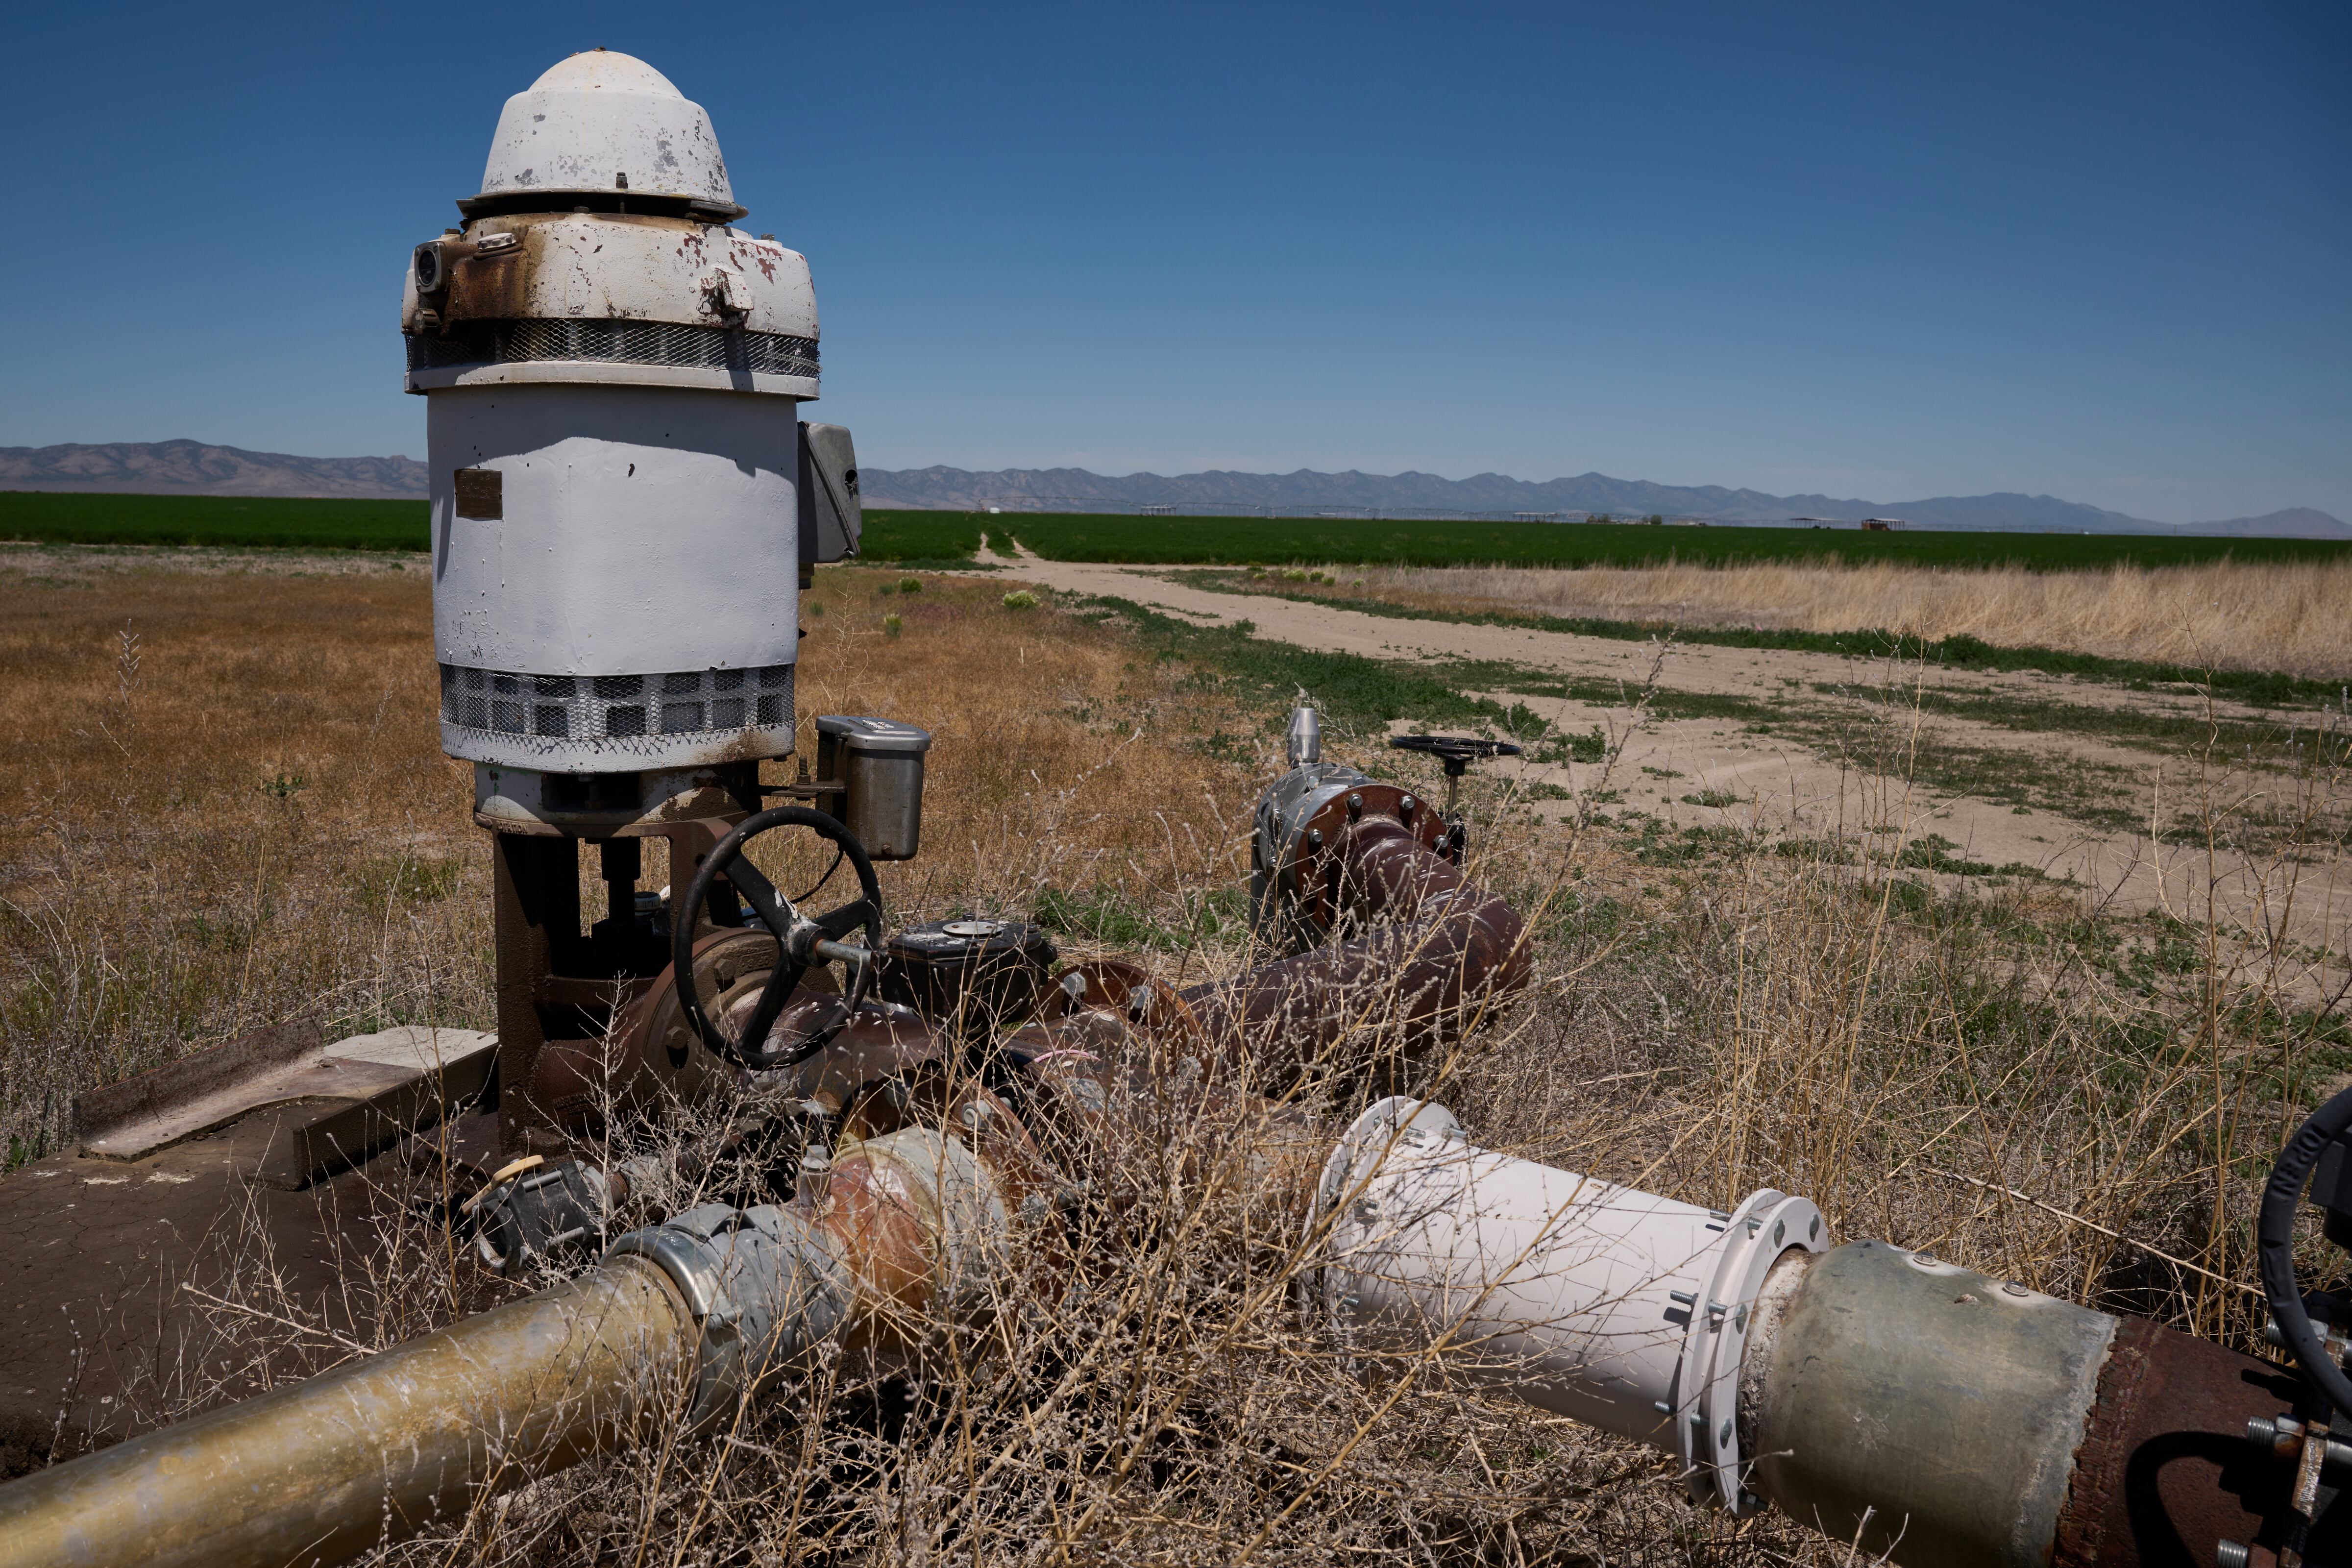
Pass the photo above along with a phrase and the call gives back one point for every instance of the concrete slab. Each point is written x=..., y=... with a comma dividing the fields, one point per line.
x=391, y=1070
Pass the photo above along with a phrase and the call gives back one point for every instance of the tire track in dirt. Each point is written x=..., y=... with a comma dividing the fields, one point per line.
x=2068, y=826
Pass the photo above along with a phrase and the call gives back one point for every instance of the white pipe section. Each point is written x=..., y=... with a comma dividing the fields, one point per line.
x=1623, y=1309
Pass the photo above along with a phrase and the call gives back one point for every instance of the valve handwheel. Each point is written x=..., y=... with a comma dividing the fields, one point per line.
x=1456, y=752
x=801, y=940
x=2306, y=1152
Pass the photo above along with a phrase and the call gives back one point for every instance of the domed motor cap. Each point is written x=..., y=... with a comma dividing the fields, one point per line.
x=610, y=128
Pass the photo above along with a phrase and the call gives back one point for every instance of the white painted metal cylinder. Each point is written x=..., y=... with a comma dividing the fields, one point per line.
x=615, y=575
x=1619, y=1307
x=613, y=377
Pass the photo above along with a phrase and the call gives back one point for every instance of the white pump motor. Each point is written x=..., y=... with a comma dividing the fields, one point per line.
x=624, y=497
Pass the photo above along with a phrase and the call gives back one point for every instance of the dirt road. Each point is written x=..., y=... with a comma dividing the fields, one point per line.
x=1822, y=745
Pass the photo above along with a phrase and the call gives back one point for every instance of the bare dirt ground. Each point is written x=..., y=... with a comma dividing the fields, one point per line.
x=1814, y=742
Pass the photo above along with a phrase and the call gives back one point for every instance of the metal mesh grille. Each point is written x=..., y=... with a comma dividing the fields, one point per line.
x=588, y=708
x=616, y=342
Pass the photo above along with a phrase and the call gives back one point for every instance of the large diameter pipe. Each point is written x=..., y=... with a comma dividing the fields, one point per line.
x=1928, y=1412
x=1942, y=1418
x=679, y=1322
x=1941, y=1405
x=322, y=1470
x=1626, y=1310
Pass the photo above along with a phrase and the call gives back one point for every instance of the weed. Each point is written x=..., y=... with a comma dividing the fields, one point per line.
x=2313, y=596
x=1718, y=1010
x=1934, y=852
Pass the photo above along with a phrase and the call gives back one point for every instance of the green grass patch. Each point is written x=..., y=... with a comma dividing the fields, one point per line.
x=2174, y=733
x=1360, y=694
x=1108, y=915
x=1289, y=540
x=266, y=522
x=1934, y=852
x=920, y=539
x=909, y=540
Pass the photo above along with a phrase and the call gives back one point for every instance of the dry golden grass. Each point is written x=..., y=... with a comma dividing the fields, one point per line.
x=2225, y=614
x=2006, y=1077
x=227, y=805
x=1060, y=756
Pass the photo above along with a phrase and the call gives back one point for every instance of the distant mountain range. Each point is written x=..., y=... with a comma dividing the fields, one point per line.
x=1498, y=495
x=190, y=468
x=194, y=468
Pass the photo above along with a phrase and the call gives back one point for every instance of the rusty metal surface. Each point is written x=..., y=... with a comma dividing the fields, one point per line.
x=877, y=1043
x=1313, y=863
x=1124, y=991
x=670, y=802
x=922, y=1207
x=642, y=269
x=2165, y=1471
x=559, y=1081
x=1132, y=1113
x=653, y=1056
x=535, y=922
x=1437, y=948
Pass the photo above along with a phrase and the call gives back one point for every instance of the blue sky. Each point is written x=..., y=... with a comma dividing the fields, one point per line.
x=1877, y=251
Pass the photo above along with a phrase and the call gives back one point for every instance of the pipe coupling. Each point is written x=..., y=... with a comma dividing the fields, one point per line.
x=763, y=1285
x=1921, y=1409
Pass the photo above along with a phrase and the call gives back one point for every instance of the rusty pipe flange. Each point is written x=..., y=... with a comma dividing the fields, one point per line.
x=1297, y=850
x=652, y=1053
x=1767, y=1223
x=1028, y=1182
x=2166, y=1461
x=1129, y=991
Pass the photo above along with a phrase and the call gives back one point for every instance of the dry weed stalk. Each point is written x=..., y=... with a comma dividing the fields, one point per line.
x=2015, y=1078
x=2226, y=615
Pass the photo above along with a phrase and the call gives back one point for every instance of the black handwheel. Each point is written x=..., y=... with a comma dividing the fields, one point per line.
x=1456, y=752
x=801, y=940
x=2275, y=1233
